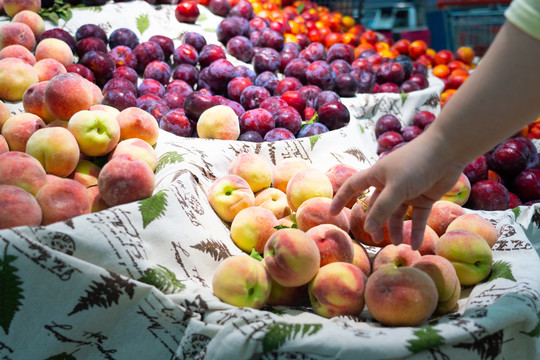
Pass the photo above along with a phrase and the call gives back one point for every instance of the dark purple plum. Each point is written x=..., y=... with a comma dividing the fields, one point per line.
x=362, y=64
x=313, y=52
x=341, y=66
x=187, y=73
x=410, y=132
x=60, y=34
x=220, y=72
x=346, y=85
x=166, y=44
x=409, y=86
x=146, y=52
x=148, y=97
x=91, y=30
x=406, y=63
x=288, y=83
x=123, y=36
x=259, y=120
x=120, y=99
x=477, y=169
x=366, y=80
x=120, y=83
x=253, y=96
x=196, y=103
x=123, y=56
x=297, y=69
x=509, y=158
x=367, y=53
x=185, y=54
x=340, y=51
x=285, y=57
x=390, y=72
x=488, y=195
x=387, y=87
x=179, y=86
x=243, y=9
x=236, y=106
x=151, y=86
x=325, y=97
x=244, y=71
x=386, y=141
x=271, y=39
x=236, y=86
x=155, y=108
x=273, y=104
x=88, y=44
x=321, y=74
x=257, y=24
x=292, y=47
x=127, y=73
x=421, y=80
x=289, y=118
x=334, y=115
x=210, y=53
x=267, y=80
x=174, y=100
x=526, y=185
x=81, y=70
x=176, y=122
x=231, y=27
x=251, y=136
x=312, y=129
x=310, y=93
x=198, y=41
x=295, y=99
x=101, y=64
x=241, y=48
x=419, y=68
x=387, y=122
x=423, y=118
x=158, y=70
x=266, y=59
x=279, y=134
x=219, y=7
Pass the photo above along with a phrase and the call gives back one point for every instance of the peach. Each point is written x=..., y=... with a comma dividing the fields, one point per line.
x=62, y=199
x=338, y=174
x=450, y=305
x=125, y=179
x=58, y=123
x=34, y=102
x=46, y=69
x=18, y=129
x=4, y=147
x=444, y=276
x=400, y=296
x=361, y=259
x=97, y=132
x=137, y=123
x=274, y=200
x=314, y=212
x=285, y=169
x=18, y=208
x=240, y=280
x=12, y=7
x=468, y=252
x=107, y=108
x=251, y=228
x=443, y=212
x=56, y=149
x=254, y=168
x=218, y=122
x=32, y=19
x=228, y=195
x=86, y=173
x=288, y=221
x=96, y=201
x=97, y=94
x=18, y=51
x=460, y=192
x=4, y=113
x=22, y=170
x=53, y=48
x=335, y=245
x=138, y=148
x=66, y=95
x=17, y=76
x=17, y=33
x=291, y=257
x=306, y=184
x=395, y=256
x=428, y=242
x=356, y=221
x=337, y=289
x=288, y=296
x=478, y=224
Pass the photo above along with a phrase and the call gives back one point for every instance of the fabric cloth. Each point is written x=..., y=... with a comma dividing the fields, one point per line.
x=525, y=14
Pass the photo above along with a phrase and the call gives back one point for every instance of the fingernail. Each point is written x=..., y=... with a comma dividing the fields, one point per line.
x=370, y=226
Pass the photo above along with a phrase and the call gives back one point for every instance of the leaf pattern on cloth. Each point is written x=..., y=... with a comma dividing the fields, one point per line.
x=143, y=22
x=62, y=356
x=163, y=279
x=313, y=140
x=488, y=348
x=170, y=157
x=10, y=290
x=427, y=338
x=501, y=269
x=215, y=248
x=154, y=207
x=278, y=333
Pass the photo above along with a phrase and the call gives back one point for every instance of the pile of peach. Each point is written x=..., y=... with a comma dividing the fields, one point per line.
x=300, y=255
x=85, y=157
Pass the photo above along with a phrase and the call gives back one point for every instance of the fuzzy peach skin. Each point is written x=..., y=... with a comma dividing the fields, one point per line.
x=335, y=245
x=218, y=122
x=242, y=281
x=468, y=252
x=107, y=108
x=428, y=243
x=254, y=168
x=395, y=256
x=314, y=212
x=228, y=195
x=66, y=95
x=31, y=18
x=356, y=221
x=444, y=276
x=34, y=102
x=4, y=147
x=274, y=200
x=96, y=201
x=56, y=149
x=86, y=173
x=288, y=296
x=138, y=148
x=22, y=170
x=288, y=221
x=62, y=199
x=338, y=174
x=52, y=48
x=291, y=257
x=4, y=113
x=252, y=227
x=18, y=208
x=285, y=169
x=361, y=259
x=478, y=224
x=125, y=179
x=337, y=289
x=97, y=132
x=97, y=94
x=443, y=212
x=402, y=296
x=306, y=184
x=17, y=33
x=452, y=304
x=12, y=7
x=18, y=129
x=17, y=76
x=137, y=123
x=18, y=51
x=460, y=192
x=46, y=69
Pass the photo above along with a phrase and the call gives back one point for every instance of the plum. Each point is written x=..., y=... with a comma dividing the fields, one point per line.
x=123, y=36
x=387, y=122
x=278, y=134
x=312, y=129
x=477, y=169
x=488, y=195
x=334, y=115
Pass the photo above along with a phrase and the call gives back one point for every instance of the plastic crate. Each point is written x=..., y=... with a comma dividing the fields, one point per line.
x=351, y=8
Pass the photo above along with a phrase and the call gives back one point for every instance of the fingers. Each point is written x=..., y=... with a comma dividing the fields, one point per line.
x=354, y=185
x=381, y=208
x=395, y=225
x=419, y=218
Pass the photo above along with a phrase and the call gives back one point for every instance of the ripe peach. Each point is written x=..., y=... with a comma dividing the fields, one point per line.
x=240, y=280
x=254, y=168
x=274, y=200
x=17, y=33
x=18, y=129
x=288, y=221
x=335, y=245
x=125, y=179
x=314, y=212
x=291, y=257
x=443, y=212
x=22, y=170
x=460, y=192
x=58, y=123
x=428, y=243
x=478, y=224
x=86, y=173
x=465, y=54
x=218, y=122
x=450, y=305
x=53, y=48
x=228, y=195
x=107, y=108
x=17, y=76
x=32, y=19
x=34, y=102
x=395, y=256
x=337, y=289
x=96, y=201
x=18, y=208
x=251, y=228
x=338, y=174
x=12, y=7
x=67, y=94
x=356, y=221
x=137, y=123
x=402, y=296
x=288, y=296
x=18, y=51
x=56, y=149
x=97, y=94
x=285, y=169
x=361, y=259
x=4, y=113
x=97, y=132
x=138, y=148
x=4, y=147
x=468, y=252
x=46, y=69
x=306, y=184
x=62, y=199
